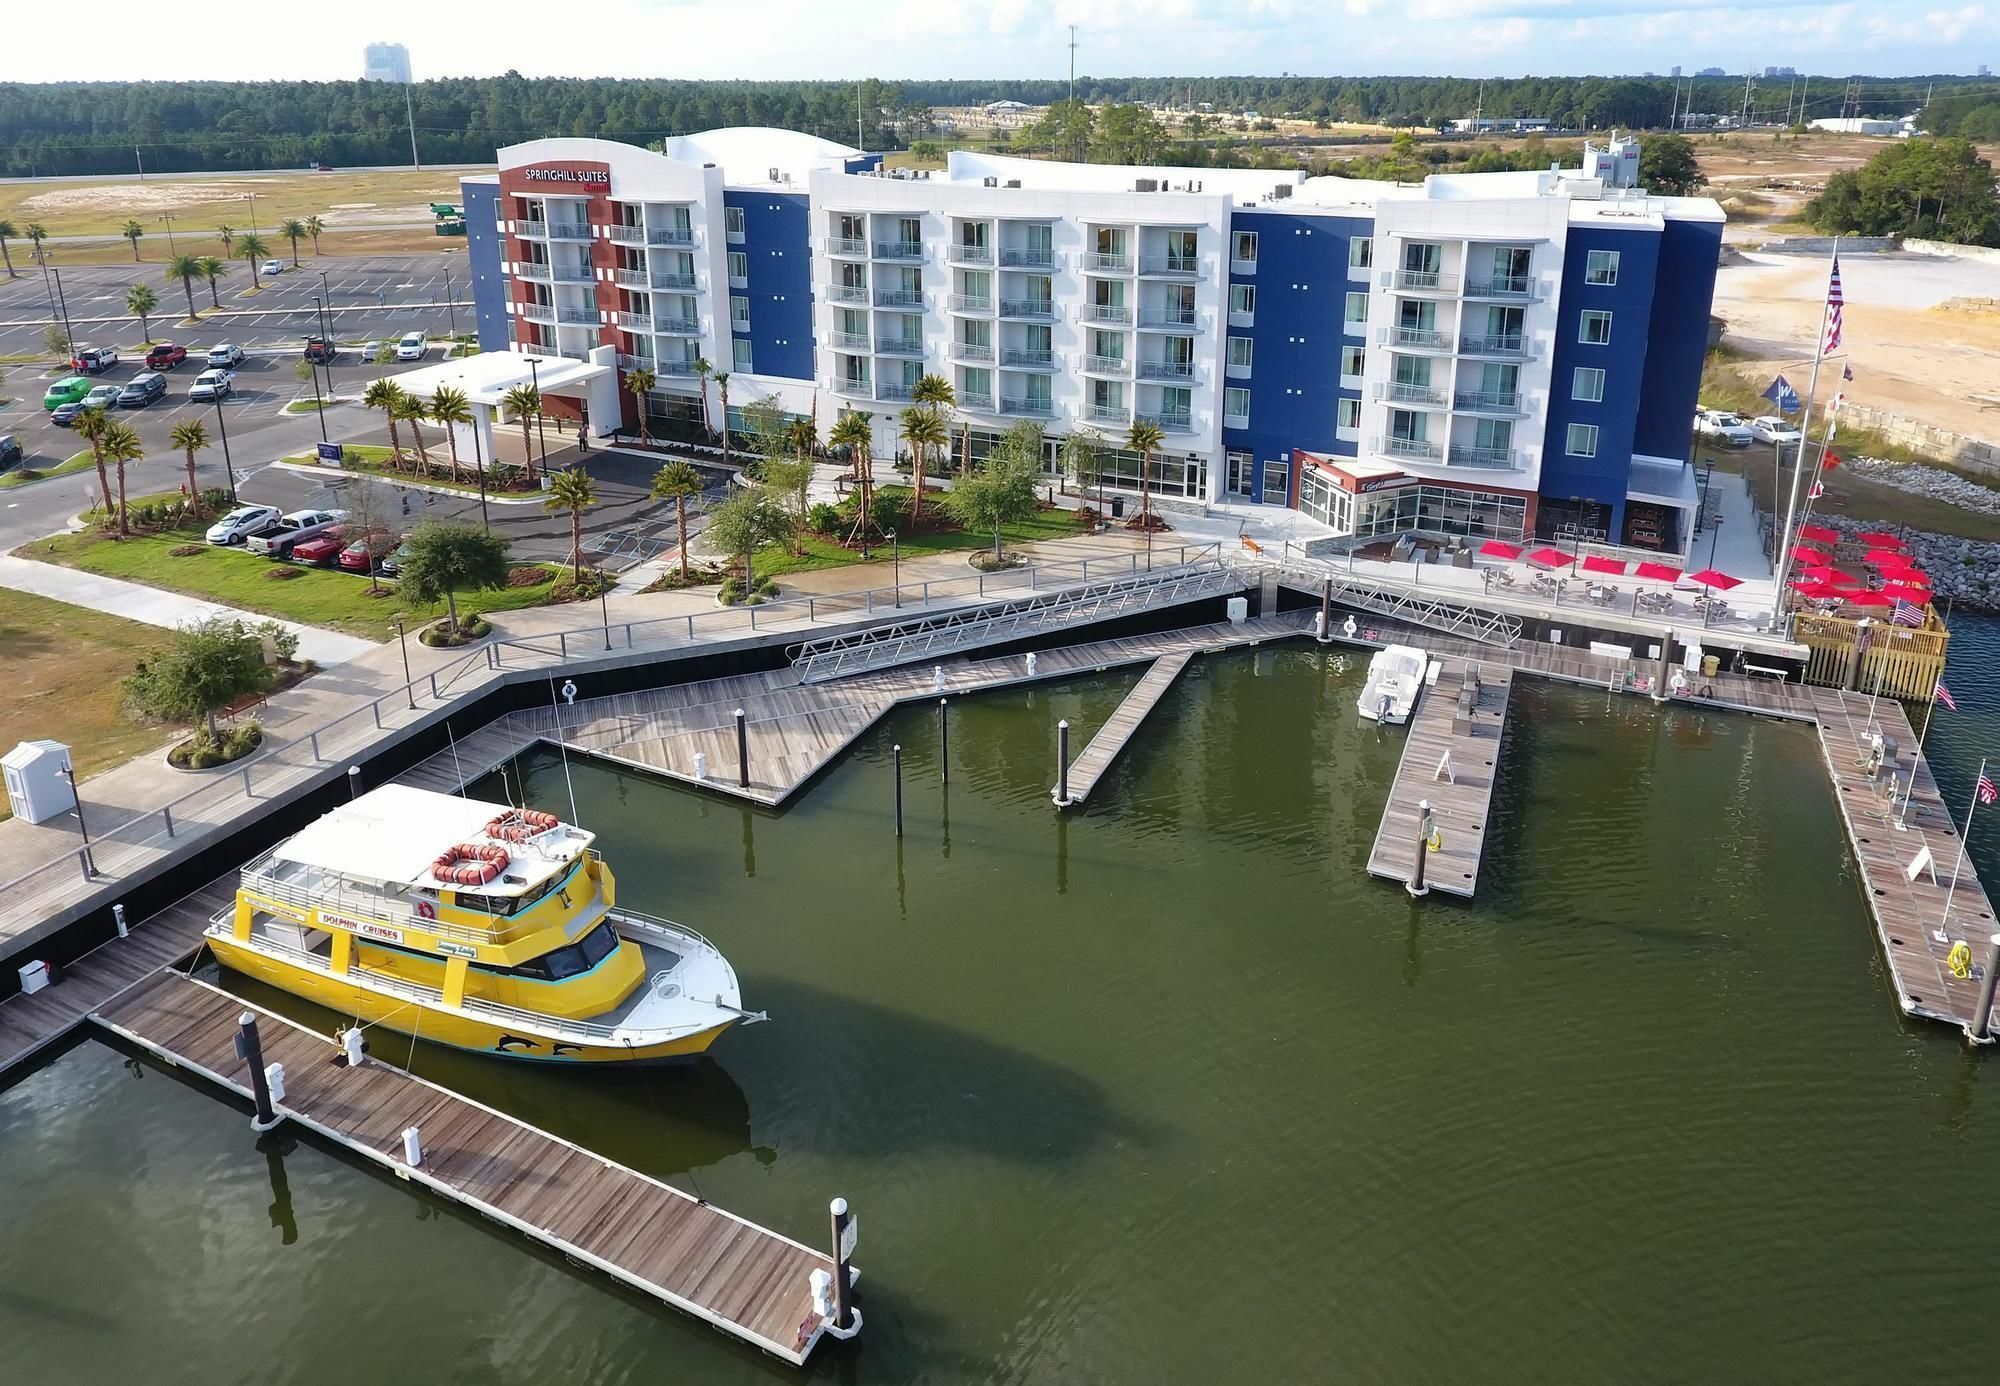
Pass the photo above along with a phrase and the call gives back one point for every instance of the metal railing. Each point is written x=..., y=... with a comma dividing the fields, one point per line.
x=899, y=250
x=899, y=346
x=1171, y=266
x=1468, y=455
x=1420, y=449
x=674, y=283
x=971, y=255
x=971, y=351
x=671, y=235
x=976, y=400
x=1167, y=317
x=1106, y=312
x=1403, y=602
x=971, y=303
x=1422, y=281
x=684, y=327
x=531, y=271
x=1428, y=338
x=854, y=385
x=845, y=245
x=848, y=341
x=581, y=316
x=1107, y=413
x=1516, y=288
x=574, y=274
x=1106, y=365
x=899, y=298
x=538, y=312
x=1408, y=392
x=1098, y=262
x=676, y=368
x=569, y=230
x=1488, y=401
x=896, y=391
x=1015, y=258
x=1016, y=359
x=626, y=234
x=1027, y=308
x=847, y=293
x=1029, y=408
x=537, y=229
x=1166, y=370
x=1171, y=423
x=1505, y=344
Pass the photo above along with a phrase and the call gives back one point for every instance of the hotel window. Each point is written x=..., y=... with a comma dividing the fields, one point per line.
x=1243, y=302
x=1601, y=267
x=1360, y=253
x=739, y=354
x=1582, y=440
x=1239, y=480
x=1277, y=482
x=1353, y=360
x=739, y=268
x=1239, y=355
x=739, y=313
x=1236, y=407
x=1357, y=308
x=1246, y=248
x=1588, y=385
x=1347, y=416
x=732, y=222
x=1593, y=327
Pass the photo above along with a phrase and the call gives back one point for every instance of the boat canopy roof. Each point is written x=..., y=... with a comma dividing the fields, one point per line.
x=393, y=835
x=1401, y=659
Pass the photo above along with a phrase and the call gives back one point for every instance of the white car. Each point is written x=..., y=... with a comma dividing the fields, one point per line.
x=242, y=522
x=226, y=354
x=1724, y=426
x=274, y=267
x=212, y=385
x=411, y=347
x=1769, y=428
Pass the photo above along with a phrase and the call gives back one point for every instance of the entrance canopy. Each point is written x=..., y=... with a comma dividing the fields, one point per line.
x=487, y=376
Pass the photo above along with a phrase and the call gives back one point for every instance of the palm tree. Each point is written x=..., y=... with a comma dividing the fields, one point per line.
x=702, y=371
x=526, y=402
x=213, y=269
x=131, y=231
x=722, y=388
x=190, y=436
x=570, y=490
x=922, y=430
x=36, y=234
x=936, y=392
x=141, y=301
x=91, y=425
x=253, y=249
x=7, y=229
x=855, y=432
x=185, y=268
x=121, y=444
x=313, y=227
x=449, y=407
x=386, y=395
x=413, y=412
x=291, y=228
x=227, y=235
x=1145, y=439
x=639, y=380
x=676, y=482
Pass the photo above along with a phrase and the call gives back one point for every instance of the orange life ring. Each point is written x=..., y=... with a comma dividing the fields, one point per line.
x=426, y=910
x=470, y=863
x=521, y=824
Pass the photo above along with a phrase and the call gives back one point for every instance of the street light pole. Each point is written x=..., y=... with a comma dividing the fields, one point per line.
x=896, y=563
x=168, y=218
x=409, y=683
x=319, y=402
x=535, y=378
x=253, y=212
x=479, y=465
x=228, y=466
x=62, y=306
x=69, y=773
x=451, y=313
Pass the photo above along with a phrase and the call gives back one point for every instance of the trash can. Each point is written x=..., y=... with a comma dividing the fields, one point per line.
x=1118, y=507
x=1710, y=665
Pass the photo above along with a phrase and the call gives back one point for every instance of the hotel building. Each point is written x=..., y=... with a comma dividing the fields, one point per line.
x=1495, y=355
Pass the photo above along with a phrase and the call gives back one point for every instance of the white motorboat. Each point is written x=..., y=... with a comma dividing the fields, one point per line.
x=1395, y=677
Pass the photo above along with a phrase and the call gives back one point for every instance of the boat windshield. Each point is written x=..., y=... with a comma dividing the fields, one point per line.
x=513, y=904
x=574, y=959
x=1402, y=665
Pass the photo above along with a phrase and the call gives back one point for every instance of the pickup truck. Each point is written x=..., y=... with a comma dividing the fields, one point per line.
x=212, y=385
x=279, y=540
x=323, y=549
x=93, y=360
x=165, y=356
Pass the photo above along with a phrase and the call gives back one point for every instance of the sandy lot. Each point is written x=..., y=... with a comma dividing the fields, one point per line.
x=353, y=200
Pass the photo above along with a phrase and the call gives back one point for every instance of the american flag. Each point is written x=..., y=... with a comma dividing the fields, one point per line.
x=1987, y=793
x=1847, y=372
x=1818, y=490
x=1943, y=695
x=1907, y=615
x=1833, y=302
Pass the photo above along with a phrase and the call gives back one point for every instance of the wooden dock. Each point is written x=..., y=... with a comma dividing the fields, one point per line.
x=1116, y=733
x=745, y=1280
x=1460, y=796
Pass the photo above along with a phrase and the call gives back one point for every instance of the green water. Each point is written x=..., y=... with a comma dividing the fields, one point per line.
x=1165, y=1091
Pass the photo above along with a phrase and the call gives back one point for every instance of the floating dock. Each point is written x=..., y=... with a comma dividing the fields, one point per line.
x=745, y=1280
x=1451, y=759
x=1087, y=769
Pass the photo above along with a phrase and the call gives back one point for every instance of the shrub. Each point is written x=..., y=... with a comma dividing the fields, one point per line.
x=824, y=518
x=888, y=512
x=571, y=589
x=204, y=752
x=280, y=573
x=732, y=591
x=470, y=628
x=527, y=575
x=284, y=642
x=186, y=550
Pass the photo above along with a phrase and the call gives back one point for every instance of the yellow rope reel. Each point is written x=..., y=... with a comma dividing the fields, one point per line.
x=1959, y=960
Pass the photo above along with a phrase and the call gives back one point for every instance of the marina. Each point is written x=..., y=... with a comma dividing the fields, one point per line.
x=1435, y=821
x=1082, y=774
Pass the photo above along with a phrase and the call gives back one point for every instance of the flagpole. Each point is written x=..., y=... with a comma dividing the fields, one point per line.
x=1929, y=712
x=1786, y=541
x=1945, y=920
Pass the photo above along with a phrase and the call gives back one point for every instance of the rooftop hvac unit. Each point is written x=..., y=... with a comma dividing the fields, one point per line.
x=989, y=182
x=774, y=173
x=1283, y=190
x=1012, y=183
x=1146, y=185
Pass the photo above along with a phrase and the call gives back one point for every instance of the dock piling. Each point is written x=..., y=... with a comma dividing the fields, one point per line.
x=742, y=751
x=118, y=918
x=899, y=789
x=1982, y=1017
x=413, y=1146
x=1415, y=885
x=1062, y=763
x=944, y=743
x=1325, y=631
x=846, y=1321
x=1666, y=663
x=353, y=783
x=351, y=1045
x=252, y=1053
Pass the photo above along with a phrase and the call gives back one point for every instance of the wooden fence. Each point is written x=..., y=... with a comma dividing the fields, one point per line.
x=1904, y=661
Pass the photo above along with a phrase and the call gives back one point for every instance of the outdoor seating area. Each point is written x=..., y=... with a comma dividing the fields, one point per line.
x=1889, y=580
x=1555, y=576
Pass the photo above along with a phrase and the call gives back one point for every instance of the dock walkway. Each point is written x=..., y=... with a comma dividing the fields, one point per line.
x=1460, y=796
x=1116, y=733
x=746, y=1280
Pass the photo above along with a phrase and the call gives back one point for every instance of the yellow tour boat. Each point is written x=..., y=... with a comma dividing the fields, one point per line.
x=476, y=925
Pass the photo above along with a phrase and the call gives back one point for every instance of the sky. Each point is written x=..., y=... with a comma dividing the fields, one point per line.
x=1012, y=38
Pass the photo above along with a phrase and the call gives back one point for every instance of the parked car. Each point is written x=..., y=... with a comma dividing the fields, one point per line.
x=102, y=397
x=212, y=385
x=359, y=555
x=142, y=389
x=322, y=168
x=10, y=451
x=242, y=522
x=293, y=529
x=392, y=564
x=321, y=352
x=411, y=347
x=93, y=360
x=227, y=354
x=165, y=356
x=1769, y=428
x=64, y=415
x=1722, y=425
x=323, y=549
x=68, y=390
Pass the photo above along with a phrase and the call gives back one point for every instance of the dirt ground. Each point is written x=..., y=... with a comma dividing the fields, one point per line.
x=340, y=199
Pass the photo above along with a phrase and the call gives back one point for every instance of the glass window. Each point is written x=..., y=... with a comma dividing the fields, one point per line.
x=1353, y=360
x=739, y=354
x=1236, y=403
x=1239, y=352
x=739, y=311
x=1357, y=308
x=1348, y=414
x=732, y=222
x=1588, y=385
x=1594, y=327
x=1360, y=253
x=1277, y=482
x=1582, y=440
x=1238, y=480
x=1243, y=299
x=1601, y=267
x=739, y=267
x=1246, y=247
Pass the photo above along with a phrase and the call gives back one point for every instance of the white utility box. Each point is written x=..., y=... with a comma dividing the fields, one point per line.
x=1239, y=610
x=36, y=785
x=34, y=977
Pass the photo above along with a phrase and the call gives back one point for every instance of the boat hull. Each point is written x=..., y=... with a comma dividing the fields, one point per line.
x=448, y=1027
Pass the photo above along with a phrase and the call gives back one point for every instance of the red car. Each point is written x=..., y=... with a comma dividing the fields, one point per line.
x=320, y=550
x=165, y=356
x=361, y=554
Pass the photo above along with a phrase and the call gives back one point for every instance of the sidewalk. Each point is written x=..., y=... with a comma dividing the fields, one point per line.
x=154, y=607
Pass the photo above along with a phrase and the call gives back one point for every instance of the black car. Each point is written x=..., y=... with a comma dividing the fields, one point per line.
x=10, y=451
x=141, y=390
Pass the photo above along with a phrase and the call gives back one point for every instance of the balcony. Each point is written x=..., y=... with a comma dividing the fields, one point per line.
x=972, y=351
x=1166, y=370
x=852, y=247
x=686, y=327
x=628, y=279
x=1034, y=309
x=677, y=368
x=1514, y=289
x=538, y=230
x=848, y=341
x=569, y=230
x=1423, y=338
x=578, y=317
x=971, y=303
x=857, y=386
x=634, y=322
x=626, y=235
x=537, y=312
x=1410, y=392
x=1491, y=459
x=968, y=399
x=1108, y=414
x=1014, y=360
x=671, y=235
x=972, y=255
x=1029, y=408
x=1115, y=313
x=1511, y=344
x=1170, y=266
x=1167, y=319
x=534, y=273
x=1421, y=281
x=847, y=293
x=1488, y=401
x=1107, y=365
x=1414, y=449
x=899, y=250
x=899, y=346
x=573, y=274
x=1028, y=258
x=896, y=392
x=899, y=298
x=673, y=283
x=1171, y=423
x=1097, y=262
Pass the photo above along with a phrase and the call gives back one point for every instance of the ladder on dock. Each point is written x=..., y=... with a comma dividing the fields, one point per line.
x=934, y=637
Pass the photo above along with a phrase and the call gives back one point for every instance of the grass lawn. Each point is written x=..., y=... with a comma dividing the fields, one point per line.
x=63, y=667
x=21, y=476
x=317, y=597
x=775, y=561
x=371, y=459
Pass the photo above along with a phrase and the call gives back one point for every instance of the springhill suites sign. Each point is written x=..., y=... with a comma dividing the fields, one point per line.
x=599, y=177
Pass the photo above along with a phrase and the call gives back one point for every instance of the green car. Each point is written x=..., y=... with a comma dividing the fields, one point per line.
x=68, y=390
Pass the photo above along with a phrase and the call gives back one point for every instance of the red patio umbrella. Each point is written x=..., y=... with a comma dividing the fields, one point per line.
x=1500, y=548
x=1867, y=599
x=1885, y=558
x=1881, y=541
x=1819, y=534
x=1818, y=591
x=1613, y=566
x=1659, y=572
x=1709, y=577
x=1550, y=558
x=1806, y=553
x=1819, y=572
x=1904, y=592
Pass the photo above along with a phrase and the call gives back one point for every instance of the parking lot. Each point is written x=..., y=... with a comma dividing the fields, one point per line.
x=370, y=297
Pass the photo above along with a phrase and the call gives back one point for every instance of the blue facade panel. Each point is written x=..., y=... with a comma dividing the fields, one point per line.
x=1683, y=297
x=1294, y=382
x=777, y=246
x=1604, y=477
x=484, y=245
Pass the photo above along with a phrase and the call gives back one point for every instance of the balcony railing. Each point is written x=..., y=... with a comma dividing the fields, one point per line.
x=1427, y=338
x=971, y=351
x=847, y=293
x=1097, y=262
x=1417, y=449
x=538, y=312
x=569, y=230
x=537, y=229
x=899, y=346
x=1506, y=344
x=1493, y=459
x=1018, y=258
x=899, y=298
x=1171, y=423
x=635, y=322
x=1423, y=281
x=574, y=274
x=1171, y=266
x=847, y=341
x=529, y=270
x=846, y=245
x=1106, y=365
x=1107, y=413
x=627, y=362
x=1039, y=308
x=896, y=390
x=970, y=303
x=1488, y=401
x=853, y=385
x=1167, y=317
x=969, y=399
x=671, y=235
x=972, y=255
x=899, y=250
x=1017, y=360
x=578, y=316
x=686, y=327
x=675, y=368
x=1116, y=313
x=627, y=235
x=1408, y=392
x=1029, y=408
x=1516, y=288
x=1166, y=370
x=673, y=283
x=630, y=279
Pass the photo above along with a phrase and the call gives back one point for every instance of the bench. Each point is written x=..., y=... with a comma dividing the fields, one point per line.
x=1769, y=671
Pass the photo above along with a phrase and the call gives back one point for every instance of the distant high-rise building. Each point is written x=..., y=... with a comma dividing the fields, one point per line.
x=385, y=62
x=1711, y=72
x=1675, y=71
x=1781, y=72
x=1985, y=71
